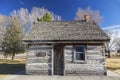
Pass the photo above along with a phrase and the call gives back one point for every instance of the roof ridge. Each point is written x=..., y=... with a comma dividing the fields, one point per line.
x=66, y=21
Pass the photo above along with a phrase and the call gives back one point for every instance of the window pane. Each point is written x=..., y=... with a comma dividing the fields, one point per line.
x=77, y=56
x=79, y=49
x=80, y=56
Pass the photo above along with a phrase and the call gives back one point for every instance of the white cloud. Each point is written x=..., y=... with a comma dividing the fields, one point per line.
x=111, y=27
x=115, y=28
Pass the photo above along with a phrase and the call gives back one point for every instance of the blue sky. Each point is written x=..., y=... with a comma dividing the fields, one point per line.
x=109, y=9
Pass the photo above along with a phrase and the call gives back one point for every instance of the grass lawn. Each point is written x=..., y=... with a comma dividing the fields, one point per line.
x=113, y=64
x=11, y=66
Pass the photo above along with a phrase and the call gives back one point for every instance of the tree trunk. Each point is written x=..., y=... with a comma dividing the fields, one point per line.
x=5, y=56
x=13, y=56
x=108, y=53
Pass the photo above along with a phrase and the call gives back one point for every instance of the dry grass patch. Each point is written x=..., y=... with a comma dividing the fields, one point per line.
x=8, y=61
x=113, y=64
x=2, y=76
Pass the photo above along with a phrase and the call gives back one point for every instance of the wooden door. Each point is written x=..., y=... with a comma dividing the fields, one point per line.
x=58, y=60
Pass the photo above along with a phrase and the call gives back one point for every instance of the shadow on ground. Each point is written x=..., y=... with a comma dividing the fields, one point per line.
x=112, y=68
x=12, y=69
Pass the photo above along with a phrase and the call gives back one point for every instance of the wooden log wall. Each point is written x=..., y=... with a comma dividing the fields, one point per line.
x=39, y=60
x=93, y=65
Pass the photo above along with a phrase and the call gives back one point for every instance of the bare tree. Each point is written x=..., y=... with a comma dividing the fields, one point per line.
x=94, y=14
x=110, y=45
x=4, y=21
x=117, y=43
x=37, y=12
x=23, y=17
x=1, y=29
x=27, y=18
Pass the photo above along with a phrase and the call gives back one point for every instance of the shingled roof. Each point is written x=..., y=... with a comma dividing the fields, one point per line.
x=54, y=31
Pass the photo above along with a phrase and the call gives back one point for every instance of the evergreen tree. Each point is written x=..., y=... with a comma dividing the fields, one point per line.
x=12, y=43
x=46, y=17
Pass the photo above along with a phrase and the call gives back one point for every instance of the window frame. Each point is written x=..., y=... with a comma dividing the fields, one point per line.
x=79, y=61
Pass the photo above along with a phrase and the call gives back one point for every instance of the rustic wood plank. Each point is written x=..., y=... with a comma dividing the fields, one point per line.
x=52, y=61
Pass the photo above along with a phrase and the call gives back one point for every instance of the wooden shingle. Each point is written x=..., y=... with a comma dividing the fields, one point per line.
x=66, y=31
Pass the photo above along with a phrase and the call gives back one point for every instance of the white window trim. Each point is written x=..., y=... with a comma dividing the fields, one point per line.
x=79, y=61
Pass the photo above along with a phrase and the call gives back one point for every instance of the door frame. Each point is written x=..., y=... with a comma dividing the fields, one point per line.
x=52, y=61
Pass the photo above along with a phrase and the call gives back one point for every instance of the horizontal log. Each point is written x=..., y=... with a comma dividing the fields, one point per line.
x=93, y=57
x=38, y=60
x=38, y=72
x=38, y=66
x=93, y=52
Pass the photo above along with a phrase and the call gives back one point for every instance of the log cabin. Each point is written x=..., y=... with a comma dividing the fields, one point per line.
x=66, y=48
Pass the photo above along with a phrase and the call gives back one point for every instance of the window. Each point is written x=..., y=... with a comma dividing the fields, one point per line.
x=79, y=53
